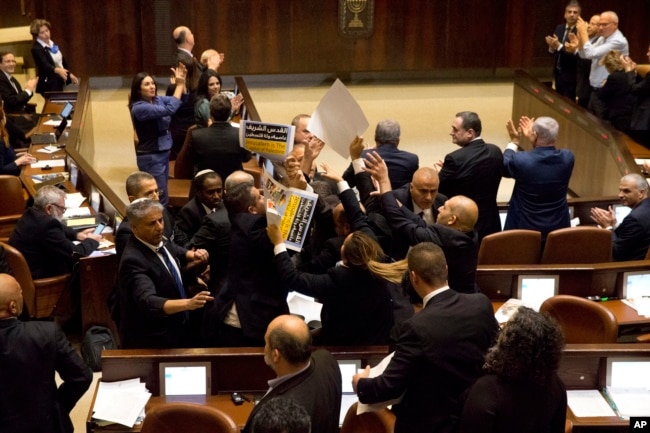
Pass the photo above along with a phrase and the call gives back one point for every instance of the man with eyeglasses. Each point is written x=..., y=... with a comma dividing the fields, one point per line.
x=49, y=246
x=609, y=38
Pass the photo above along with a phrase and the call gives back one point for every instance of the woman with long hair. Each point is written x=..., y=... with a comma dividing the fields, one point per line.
x=151, y=116
x=521, y=391
x=10, y=162
x=209, y=86
x=357, y=305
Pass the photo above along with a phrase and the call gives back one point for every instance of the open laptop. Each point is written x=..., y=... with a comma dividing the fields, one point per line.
x=533, y=290
x=50, y=137
x=65, y=112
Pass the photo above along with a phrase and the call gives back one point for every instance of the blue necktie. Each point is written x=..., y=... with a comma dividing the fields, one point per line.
x=174, y=273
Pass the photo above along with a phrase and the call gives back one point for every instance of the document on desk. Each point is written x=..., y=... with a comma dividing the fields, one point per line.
x=630, y=401
x=49, y=163
x=120, y=402
x=375, y=371
x=74, y=201
x=588, y=403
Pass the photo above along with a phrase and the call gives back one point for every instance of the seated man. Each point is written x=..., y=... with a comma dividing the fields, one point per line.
x=632, y=235
x=153, y=301
x=281, y=415
x=217, y=146
x=31, y=353
x=207, y=189
x=453, y=232
x=45, y=241
x=312, y=379
x=439, y=351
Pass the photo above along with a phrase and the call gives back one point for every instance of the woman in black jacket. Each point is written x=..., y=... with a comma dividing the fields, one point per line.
x=51, y=67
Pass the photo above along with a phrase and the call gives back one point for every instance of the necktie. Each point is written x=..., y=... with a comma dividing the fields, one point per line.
x=421, y=214
x=15, y=84
x=174, y=273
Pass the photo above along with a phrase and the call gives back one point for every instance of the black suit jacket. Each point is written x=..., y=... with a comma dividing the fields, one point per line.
x=439, y=354
x=632, y=236
x=475, y=171
x=124, y=233
x=31, y=402
x=217, y=148
x=565, y=66
x=14, y=99
x=460, y=248
x=188, y=219
x=144, y=285
x=48, y=80
x=214, y=236
x=253, y=282
x=401, y=165
x=317, y=389
x=47, y=244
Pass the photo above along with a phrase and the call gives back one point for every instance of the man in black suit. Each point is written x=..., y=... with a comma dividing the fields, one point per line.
x=311, y=379
x=631, y=237
x=439, y=351
x=217, y=146
x=453, y=230
x=31, y=353
x=50, y=247
x=565, y=63
x=153, y=300
x=474, y=171
x=14, y=96
x=140, y=184
x=254, y=293
x=401, y=164
x=208, y=188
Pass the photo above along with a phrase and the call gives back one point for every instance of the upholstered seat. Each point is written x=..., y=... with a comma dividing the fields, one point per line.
x=186, y=418
x=582, y=320
x=382, y=421
x=511, y=247
x=578, y=245
x=12, y=204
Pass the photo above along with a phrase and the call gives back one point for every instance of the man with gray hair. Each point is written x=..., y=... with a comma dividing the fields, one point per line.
x=632, y=235
x=541, y=176
x=401, y=164
x=45, y=241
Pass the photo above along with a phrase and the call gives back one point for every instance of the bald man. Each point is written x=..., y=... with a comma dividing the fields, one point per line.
x=453, y=231
x=311, y=379
x=30, y=353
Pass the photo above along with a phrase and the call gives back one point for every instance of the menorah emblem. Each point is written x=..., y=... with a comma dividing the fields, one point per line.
x=356, y=7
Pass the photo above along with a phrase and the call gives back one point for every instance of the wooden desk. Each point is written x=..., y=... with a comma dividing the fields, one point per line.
x=223, y=402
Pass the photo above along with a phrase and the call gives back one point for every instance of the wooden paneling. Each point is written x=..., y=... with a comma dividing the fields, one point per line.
x=439, y=37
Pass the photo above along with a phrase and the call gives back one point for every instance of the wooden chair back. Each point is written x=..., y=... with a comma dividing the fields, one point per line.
x=511, y=247
x=578, y=245
x=582, y=321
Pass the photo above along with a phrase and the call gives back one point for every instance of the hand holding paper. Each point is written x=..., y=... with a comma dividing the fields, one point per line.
x=274, y=234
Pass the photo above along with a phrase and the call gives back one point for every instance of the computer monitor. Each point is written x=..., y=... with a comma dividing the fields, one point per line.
x=628, y=372
x=533, y=290
x=636, y=285
x=67, y=110
x=185, y=378
x=348, y=367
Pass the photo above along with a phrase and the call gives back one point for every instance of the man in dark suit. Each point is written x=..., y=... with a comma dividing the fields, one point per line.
x=401, y=164
x=14, y=96
x=217, y=146
x=632, y=235
x=140, y=184
x=152, y=296
x=208, y=188
x=311, y=379
x=474, y=171
x=254, y=294
x=565, y=63
x=49, y=246
x=541, y=177
x=453, y=230
x=30, y=354
x=439, y=351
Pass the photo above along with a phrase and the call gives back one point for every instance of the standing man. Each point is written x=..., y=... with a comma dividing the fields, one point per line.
x=474, y=171
x=30, y=354
x=541, y=177
x=311, y=379
x=565, y=63
x=583, y=88
x=439, y=351
x=13, y=95
x=610, y=38
x=153, y=301
x=632, y=235
x=401, y=164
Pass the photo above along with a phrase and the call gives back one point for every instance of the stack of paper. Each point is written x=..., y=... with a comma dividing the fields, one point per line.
x=588, y=403
x=120, y=402
x=630, y=401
